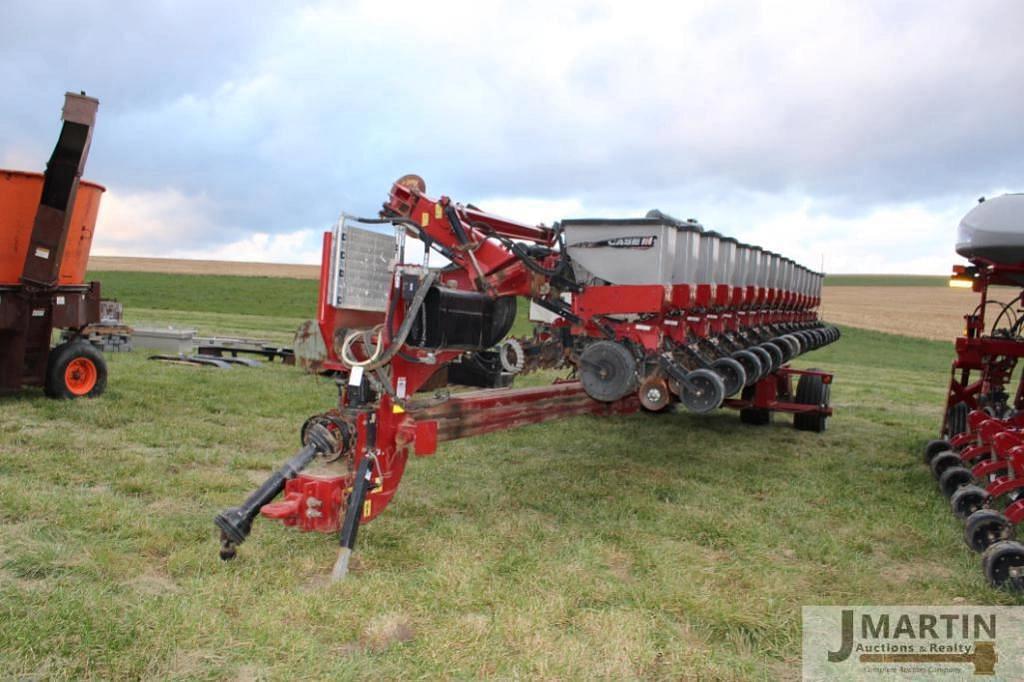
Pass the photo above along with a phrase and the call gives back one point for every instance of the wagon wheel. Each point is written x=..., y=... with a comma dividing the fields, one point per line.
x=75, y=369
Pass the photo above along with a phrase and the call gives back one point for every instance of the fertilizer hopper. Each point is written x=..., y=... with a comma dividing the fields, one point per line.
x=723, y=269
x=621, y=251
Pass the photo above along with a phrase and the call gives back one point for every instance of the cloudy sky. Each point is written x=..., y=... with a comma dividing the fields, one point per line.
x=850, y=134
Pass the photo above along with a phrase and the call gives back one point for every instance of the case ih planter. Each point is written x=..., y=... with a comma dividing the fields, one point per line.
x=979, y=458
x=46, y=228
x=644, y=313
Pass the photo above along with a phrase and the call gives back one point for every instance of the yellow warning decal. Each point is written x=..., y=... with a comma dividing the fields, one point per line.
x=425, y=219
x=379, y=485
x=437, y=211
x=367, y=508
x=397, y=409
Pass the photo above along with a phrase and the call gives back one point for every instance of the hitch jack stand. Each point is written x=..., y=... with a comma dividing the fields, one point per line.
x=361, y=484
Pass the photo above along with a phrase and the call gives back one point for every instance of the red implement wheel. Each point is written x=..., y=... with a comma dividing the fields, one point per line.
x=76, y=369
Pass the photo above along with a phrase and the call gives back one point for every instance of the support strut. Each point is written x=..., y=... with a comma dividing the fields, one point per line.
x=361, y=484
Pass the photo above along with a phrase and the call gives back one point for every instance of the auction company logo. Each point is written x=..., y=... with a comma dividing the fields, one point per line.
x=912, y=642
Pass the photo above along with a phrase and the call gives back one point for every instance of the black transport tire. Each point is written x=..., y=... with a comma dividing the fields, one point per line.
x=75, y=369
x=811, y=390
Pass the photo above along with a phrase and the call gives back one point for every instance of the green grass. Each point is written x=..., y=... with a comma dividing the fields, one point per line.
x=225, y=294
x=653, y=546
x=886, y=280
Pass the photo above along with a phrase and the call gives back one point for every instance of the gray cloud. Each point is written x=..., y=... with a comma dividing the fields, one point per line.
x=281, y=116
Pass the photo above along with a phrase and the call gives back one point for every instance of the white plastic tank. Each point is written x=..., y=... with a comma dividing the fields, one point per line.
x=788, y=268
x=771, y=269
x=994, y=230
x=726, y=263
x=740, y=272
x=758, y=271
x=709, y=244
x=687, y=263
x=621, y=251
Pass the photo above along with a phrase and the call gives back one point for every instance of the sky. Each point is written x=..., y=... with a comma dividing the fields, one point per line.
x=849, y=136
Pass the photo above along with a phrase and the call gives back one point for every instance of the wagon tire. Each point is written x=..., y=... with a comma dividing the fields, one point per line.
x=75, y=369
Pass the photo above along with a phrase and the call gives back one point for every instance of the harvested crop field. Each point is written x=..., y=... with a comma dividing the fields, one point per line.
x=925, y=312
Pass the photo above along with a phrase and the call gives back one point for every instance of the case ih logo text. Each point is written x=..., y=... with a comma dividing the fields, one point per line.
x=620, y=243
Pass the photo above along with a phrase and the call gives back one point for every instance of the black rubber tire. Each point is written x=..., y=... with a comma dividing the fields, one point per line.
x=943, y=461
x=711, y=392
x=795, y=349
x=57, y=365
x=751, y=365
x=801, y=347
x=811, y=390
x=505, y=309
x=607, y=371
x=954, y=477
x=1003, y=564
x=986, y=527
x=732, y=374
x=934, y=447
x=967, y=500
x=775, y=352
x=956, y=420
x=764, y=357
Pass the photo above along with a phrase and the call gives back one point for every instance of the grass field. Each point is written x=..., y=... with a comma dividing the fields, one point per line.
x=645, y=546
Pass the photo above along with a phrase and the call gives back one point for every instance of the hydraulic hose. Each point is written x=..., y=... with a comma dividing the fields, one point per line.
x=381, y=357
